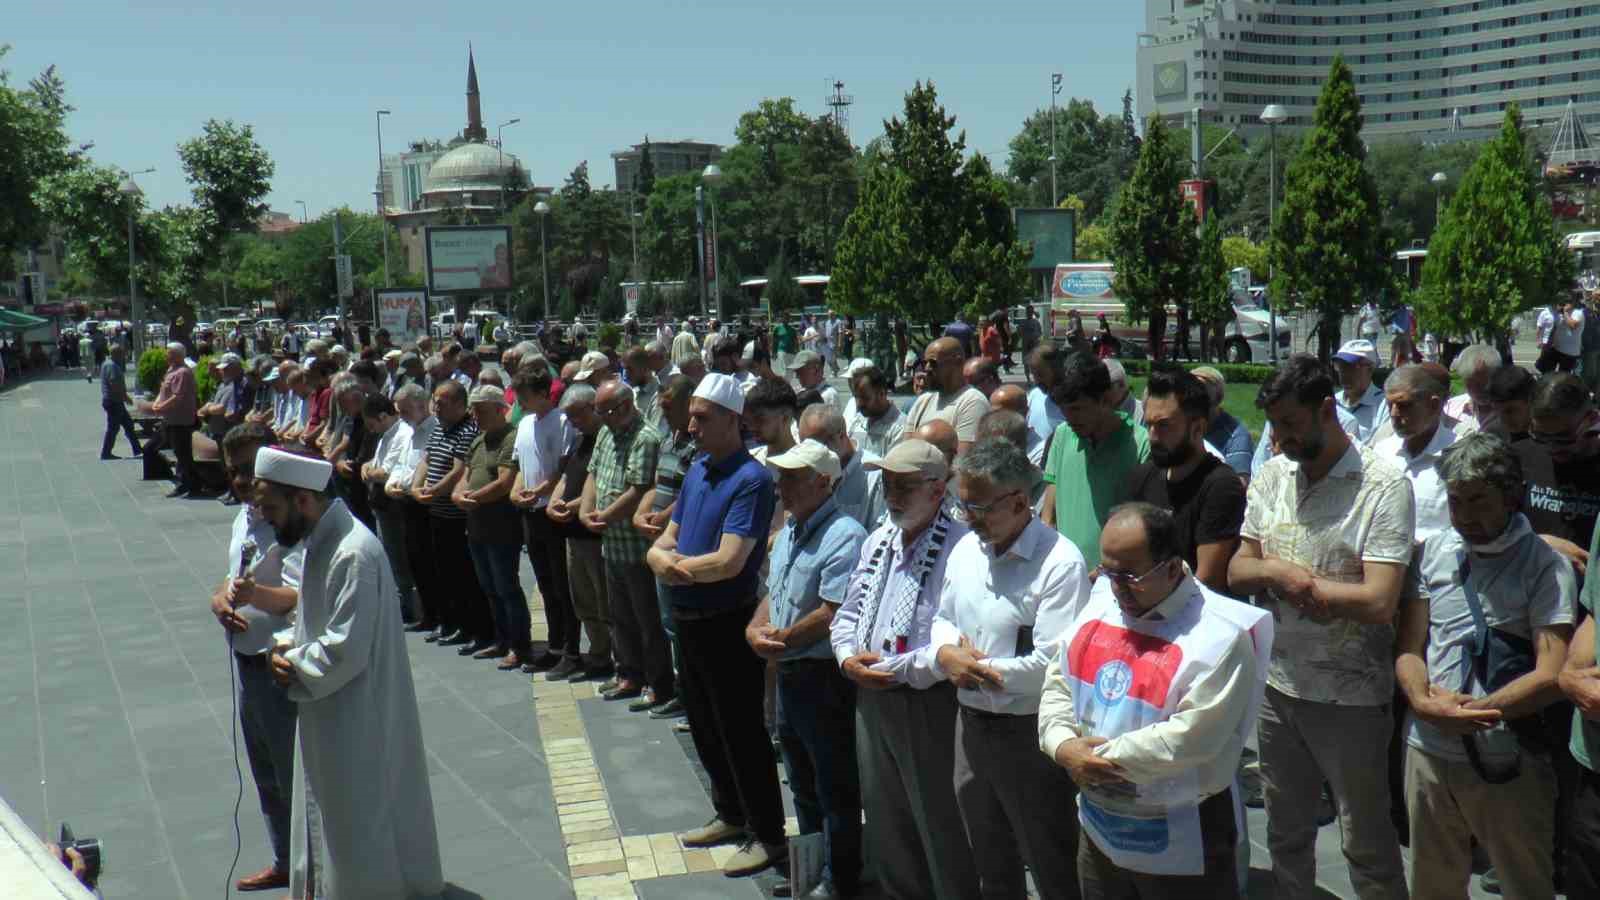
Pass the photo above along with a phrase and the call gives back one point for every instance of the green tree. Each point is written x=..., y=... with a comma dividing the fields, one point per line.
x=86, y=206
x=932, y=234
x=1330, y=247
x=1403, y=171
x=646, y=184
x=1151, y=235
x=1093, y=243
x=1213, y=294
x=229, y=177
x=33, y=148
x=1240, y=251
x=782, y=294
x=1496, y=252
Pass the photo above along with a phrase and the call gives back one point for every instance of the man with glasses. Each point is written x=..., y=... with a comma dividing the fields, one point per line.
x=1091, y=455
x=905, y=708
x=1326, y=540
x=622, y=469
x=1012, y=587
x=949, y=396
x=1147, y=706
x=1562, y=466
x=1474, y=771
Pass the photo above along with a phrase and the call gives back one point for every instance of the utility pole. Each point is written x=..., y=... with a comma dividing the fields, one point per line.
x=383, y=220
x=1055, y=88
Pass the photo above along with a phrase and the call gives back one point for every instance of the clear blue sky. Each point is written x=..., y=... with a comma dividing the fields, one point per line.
x=585, y=78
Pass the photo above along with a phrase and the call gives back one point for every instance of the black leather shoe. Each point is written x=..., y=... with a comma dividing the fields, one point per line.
x=109, y=456
x=177, y=492
x=474, y=648
x=422, y=626
x=672, y=709
x=543, y=662
x=563, y=670
x=455, y=638
x=434, y=636
x=591, y=674
x=623, y=692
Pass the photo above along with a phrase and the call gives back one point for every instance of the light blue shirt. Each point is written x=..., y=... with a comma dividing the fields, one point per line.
x=859, y=495
x=1232, y=440
x=1043, y=417
x=1371, y=412
x=811, y=563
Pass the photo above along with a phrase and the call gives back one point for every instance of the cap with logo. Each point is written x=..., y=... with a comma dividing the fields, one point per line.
x=1357, y=351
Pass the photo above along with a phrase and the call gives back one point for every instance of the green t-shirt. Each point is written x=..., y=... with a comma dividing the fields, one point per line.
x=783, y=338
x=1585, y=733
x=1090, y=480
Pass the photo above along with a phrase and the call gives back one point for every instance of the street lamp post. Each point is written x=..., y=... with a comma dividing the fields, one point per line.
x=1055, y=88
x=1273, y=115
x=499, y=144
x=712, y=175
x=130, y=189
x=302, y=211
x=1438, y=180
x=382, y=210
x=633, y=221
x=543, y=210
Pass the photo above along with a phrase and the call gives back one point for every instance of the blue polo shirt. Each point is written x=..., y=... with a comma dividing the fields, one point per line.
x=812, y=564
x=734, y=496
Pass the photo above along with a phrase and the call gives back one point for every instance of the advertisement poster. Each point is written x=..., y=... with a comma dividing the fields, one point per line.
x=468, y=259
x=404, y=311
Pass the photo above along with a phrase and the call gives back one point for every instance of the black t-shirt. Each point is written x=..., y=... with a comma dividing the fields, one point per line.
x=1563, y=498
x=575, y=469
x=1208, y=505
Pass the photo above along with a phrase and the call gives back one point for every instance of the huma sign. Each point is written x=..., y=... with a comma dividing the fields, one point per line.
x=468, y=259
x=403, y=311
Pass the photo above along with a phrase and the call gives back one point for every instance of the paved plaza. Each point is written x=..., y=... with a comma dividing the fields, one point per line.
x=116, y=699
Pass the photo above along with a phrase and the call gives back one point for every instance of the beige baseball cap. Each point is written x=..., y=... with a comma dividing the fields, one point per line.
x=912, y=456
x=808, y=454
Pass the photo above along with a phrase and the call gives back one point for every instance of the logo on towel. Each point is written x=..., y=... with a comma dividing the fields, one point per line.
x=1112, y=681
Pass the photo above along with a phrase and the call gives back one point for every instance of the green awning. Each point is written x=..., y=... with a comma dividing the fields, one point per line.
x=11, y=320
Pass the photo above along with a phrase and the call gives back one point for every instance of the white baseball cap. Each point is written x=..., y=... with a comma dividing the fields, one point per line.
x=592, y=361
x=1357, y=351
x=808, y=454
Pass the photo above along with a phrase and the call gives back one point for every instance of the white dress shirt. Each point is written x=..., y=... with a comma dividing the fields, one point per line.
x=392, y=446
x=273, y=566
x=415, y=451
x=915, y=667
x=1040, y=584
x=1422, y=470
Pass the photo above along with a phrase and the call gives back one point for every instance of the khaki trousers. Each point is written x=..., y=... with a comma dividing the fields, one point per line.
x=1451, y=805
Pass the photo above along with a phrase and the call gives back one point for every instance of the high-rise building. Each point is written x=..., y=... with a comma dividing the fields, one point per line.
x=1419, y=65
x=668, y=157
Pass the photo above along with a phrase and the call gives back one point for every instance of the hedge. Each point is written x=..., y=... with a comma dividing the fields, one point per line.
x=152, y=365
x=1233, y=373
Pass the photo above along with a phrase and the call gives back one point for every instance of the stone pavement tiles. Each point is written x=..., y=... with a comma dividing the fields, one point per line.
x=115, y=694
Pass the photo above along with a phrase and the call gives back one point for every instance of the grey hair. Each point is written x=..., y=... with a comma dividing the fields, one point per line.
x=411, y=394
x=1160, y=528
x=1482, y=456
x=575, y=394
x=825, y=416
x=1413, y=378
x=316, y=346
x=1004, y=423
x=342, y=384
x=524, y=348
x=491, y=377
x=999, y=462
x=532, y=359
x=1474, y=358
x=176, y=346
x=260, y=363
x=1118, y=374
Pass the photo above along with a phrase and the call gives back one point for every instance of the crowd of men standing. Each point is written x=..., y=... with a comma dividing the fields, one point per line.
x=1007, y=631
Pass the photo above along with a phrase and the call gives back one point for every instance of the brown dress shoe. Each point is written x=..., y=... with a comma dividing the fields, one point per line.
x=266, y=879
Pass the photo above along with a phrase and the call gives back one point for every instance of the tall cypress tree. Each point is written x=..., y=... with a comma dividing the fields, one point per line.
x=646, y=183
x=1152, y=234
x=1495, y=252
x=1213, y=294
x=1330, y=247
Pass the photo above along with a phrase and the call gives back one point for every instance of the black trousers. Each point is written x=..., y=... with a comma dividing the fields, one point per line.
x=1583, y=836
x=461, y=604
x=117, y=417
x=547, y=551
x=181, y=439
x=723, y=686
x=419, y=552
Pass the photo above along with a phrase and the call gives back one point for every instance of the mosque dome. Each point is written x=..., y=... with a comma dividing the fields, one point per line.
x=470, y=168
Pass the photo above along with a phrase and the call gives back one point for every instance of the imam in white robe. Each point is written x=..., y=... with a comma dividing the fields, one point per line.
x=360, y=770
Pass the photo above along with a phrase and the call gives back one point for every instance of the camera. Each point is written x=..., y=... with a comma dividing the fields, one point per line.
x=88, y=848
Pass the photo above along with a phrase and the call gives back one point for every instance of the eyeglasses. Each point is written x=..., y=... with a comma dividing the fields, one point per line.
x=971, y=511
x=609, y=411
x=1128, y=579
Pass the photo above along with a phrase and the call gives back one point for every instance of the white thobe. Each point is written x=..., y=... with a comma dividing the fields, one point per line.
x=360, y=770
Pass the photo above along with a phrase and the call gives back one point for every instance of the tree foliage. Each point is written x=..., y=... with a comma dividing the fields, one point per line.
x=1495, y=253
x=646, y=183
x=1330, y=247
x=229, y=175
x=1091, y=151
x=932, y=234
x=1151, y=234
x=33, y=148
x=1212, y=305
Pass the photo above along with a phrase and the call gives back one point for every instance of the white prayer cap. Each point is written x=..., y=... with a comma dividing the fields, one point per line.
x=723, y=390
x=284, y=468
x=808, y=454
x=857, y=364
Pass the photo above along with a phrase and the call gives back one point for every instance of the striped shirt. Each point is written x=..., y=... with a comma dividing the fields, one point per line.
x=672, y=463
x=445, y=447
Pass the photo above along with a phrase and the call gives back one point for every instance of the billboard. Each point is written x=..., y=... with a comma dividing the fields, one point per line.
x=468, y=259
x=404, y=311
x=1051, y=232
x=1171, y=80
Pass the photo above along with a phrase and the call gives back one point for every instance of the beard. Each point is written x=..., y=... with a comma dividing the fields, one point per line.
x=1310, y=447
x=293, y=530
x=1169, y=457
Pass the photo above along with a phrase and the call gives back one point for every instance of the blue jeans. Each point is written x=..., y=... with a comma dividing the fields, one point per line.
x=497, y=567
x=816, y=726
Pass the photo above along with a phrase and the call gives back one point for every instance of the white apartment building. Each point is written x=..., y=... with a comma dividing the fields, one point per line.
x=1419, y=65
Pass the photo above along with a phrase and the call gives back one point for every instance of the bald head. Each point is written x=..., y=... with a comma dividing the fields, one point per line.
x=1009, y=396
x=942, y=361
x=613, y=391
x=941, y=434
